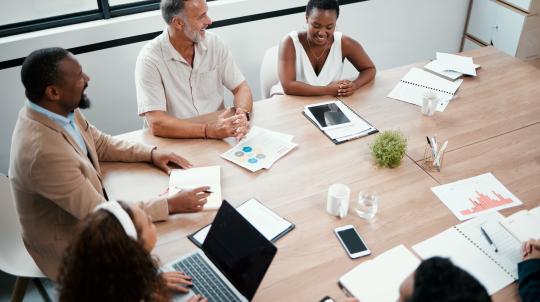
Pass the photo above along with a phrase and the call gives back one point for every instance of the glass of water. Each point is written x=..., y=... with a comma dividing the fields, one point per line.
x=368, y=204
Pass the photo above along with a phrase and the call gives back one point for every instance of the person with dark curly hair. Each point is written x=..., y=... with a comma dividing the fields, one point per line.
x=109, y=260
x=311, y=61
x=438, y=279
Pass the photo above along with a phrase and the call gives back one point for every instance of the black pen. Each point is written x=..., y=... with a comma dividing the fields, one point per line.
x=208, y=191
x=489, y=240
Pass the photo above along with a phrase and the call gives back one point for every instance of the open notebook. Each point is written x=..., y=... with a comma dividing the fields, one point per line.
x=186, y=179
x=378, y=280
x=412, y=87
x=467, y=247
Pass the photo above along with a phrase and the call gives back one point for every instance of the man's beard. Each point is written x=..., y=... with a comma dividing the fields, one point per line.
x=84, y=103
x=194, y=35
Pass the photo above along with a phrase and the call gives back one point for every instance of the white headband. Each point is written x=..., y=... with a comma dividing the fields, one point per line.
x=113, y=207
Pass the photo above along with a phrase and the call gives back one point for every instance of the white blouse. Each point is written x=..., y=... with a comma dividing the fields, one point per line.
x=331, y=71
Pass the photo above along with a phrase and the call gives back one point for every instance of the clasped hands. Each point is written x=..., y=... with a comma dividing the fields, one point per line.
x=232, y=122
x=343, y=88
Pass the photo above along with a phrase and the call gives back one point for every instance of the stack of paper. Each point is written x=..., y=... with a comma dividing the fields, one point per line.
x=187, y=179
x=338, y=121
x=378, y=280
x=260, y=149
x=452, y=66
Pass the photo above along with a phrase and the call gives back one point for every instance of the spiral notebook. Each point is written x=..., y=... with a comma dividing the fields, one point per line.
x=412, y=87
x=469, y=249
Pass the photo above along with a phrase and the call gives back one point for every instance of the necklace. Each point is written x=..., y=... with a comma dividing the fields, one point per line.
x=317, y=58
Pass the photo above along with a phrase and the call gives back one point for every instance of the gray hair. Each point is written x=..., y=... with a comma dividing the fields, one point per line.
x=171, y=9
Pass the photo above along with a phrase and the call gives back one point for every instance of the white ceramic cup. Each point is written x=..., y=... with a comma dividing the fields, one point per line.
x=337, y=202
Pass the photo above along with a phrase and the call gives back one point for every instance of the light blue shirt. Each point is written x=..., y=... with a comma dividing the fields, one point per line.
x=67, y=123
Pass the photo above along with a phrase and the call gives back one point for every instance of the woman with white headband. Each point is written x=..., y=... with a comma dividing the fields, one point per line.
x=109, y=260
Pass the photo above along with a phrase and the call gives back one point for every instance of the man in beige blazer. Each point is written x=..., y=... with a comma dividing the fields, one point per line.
x=55, y=155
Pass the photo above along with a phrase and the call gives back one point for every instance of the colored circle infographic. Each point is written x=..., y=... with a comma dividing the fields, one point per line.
x=249, y=154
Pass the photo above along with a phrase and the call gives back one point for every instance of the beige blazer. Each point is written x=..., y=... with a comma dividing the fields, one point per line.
x=55, y=184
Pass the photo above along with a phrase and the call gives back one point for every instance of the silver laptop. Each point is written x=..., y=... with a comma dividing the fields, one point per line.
x=232, y=262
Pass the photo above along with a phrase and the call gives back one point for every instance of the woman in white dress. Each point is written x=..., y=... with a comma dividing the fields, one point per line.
x=311, y=62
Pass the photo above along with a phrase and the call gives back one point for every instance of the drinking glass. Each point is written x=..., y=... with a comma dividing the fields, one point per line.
x=368, y=204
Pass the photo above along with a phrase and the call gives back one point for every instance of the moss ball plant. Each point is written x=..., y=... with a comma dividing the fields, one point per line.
x=389, y=148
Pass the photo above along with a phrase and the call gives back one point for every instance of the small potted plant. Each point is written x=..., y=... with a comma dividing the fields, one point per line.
x=389, y=148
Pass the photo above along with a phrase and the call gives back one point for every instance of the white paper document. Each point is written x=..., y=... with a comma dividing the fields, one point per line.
x=255, y=130
x=457, y=63
x=412, y=87
x=475, y=196
x=186, y=179
x=260, y=150
x=469, y=249
x=266, y=221
x=354, y=127
x=378, y=280
x=436, y=67
x=523, y=225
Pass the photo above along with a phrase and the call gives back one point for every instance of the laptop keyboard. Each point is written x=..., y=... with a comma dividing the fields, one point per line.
x=205, y=281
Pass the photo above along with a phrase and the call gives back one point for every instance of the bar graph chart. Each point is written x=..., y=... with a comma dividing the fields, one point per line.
x=475, y=196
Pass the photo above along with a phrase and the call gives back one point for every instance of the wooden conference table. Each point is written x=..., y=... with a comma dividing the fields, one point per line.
x=492, y=126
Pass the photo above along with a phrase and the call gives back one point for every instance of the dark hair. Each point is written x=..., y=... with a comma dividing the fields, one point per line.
x=103, y=264
x=438, y=279
x=322, y=4
x=171, y=8
x=40, y=69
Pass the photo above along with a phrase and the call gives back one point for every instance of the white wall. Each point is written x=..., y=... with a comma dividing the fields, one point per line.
x=393, y=32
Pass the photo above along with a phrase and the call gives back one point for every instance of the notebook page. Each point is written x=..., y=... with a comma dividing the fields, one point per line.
x=452, y=244
x=535, y=212
x=379, y=279
x=417, y=82
x=197, y=177
x=424, y=78
x=523, y=225
x=266, y=221
x=508, y=248
x=457, y=63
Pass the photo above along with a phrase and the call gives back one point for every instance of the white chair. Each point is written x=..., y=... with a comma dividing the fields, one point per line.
x=269, y=71
x=14, y=258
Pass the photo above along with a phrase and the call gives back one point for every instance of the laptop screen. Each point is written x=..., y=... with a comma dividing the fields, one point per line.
x=240, y=252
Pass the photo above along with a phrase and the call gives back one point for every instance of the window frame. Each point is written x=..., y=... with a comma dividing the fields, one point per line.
x=103, y=12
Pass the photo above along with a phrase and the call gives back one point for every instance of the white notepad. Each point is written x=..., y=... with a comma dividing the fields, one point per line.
x=436, y=67
x=457, y=63
x=266, y=221
x=465, y=245
x=379, y=279
x=412, y=87
x=181, y=179
x=523, y=225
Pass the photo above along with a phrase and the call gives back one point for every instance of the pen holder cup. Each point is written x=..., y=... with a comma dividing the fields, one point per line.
x=428, y=162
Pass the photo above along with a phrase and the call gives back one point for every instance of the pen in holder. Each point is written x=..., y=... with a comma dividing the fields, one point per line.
x=433, y=155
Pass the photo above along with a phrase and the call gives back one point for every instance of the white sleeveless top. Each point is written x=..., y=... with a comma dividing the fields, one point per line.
x=331, y=70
